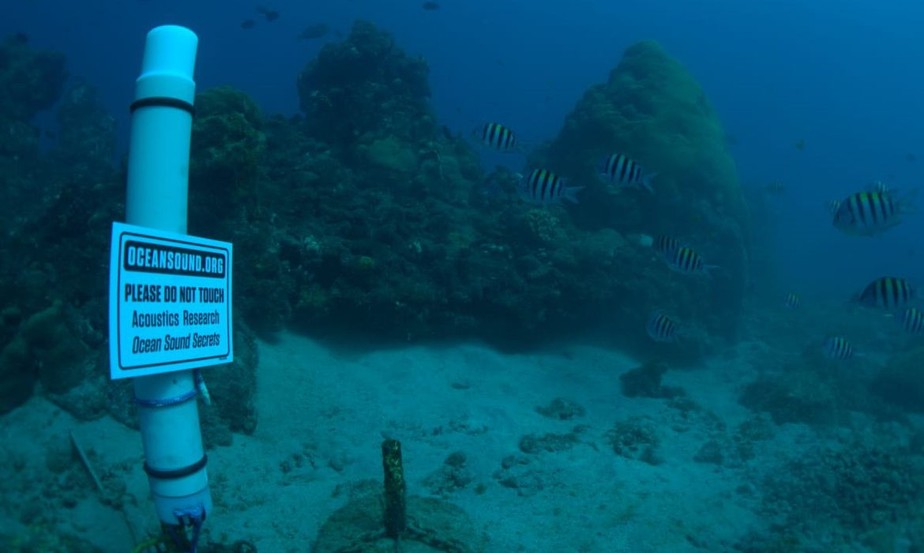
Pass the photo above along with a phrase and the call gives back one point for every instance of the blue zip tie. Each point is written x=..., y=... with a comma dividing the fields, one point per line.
x=193, y=517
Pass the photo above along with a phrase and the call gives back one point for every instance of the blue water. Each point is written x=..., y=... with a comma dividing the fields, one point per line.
x=840, y=75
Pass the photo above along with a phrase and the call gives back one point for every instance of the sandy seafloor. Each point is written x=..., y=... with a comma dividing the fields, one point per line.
x=323, y=415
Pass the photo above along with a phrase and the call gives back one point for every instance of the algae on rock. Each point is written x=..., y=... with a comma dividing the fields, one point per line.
x=652, y=110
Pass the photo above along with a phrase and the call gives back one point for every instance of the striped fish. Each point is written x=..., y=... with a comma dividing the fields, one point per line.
x=887, y=293
x=620, y=170
x=662, y=328
x=543, y=187
x=792, y=300
x=837, y=347
x=867, y=213
x=666, y=245
x=496, y=136
x=687, y=261
x=913, y=321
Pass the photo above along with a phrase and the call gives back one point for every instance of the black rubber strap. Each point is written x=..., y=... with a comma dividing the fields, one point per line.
x=176, y=474
x=163, y=102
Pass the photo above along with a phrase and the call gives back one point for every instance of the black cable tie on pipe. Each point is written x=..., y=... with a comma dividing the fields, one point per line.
x=166, y=402
x=162, y=102
x=176, y=474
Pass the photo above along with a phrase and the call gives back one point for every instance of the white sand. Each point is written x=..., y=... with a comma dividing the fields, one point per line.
x=333, y=410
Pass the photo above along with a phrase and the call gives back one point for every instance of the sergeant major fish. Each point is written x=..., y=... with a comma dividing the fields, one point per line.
x=618, y=169
x=543, y=187
x=838, y=348
x=662, y=328
x=886, y=293
x=868, y=213
x=666, y=245
x=497, y=137
x=687, y=261
x=913, y=321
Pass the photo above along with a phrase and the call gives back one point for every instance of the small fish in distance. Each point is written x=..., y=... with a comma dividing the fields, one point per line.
x=662, y=328
x=913, y=321
x=496, y=136
x=688, y=261
x=269, y=14
x=775, y=188
x=430, y=6
x=838, y=348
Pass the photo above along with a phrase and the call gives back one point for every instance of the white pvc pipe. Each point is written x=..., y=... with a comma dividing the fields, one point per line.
x=158, y=167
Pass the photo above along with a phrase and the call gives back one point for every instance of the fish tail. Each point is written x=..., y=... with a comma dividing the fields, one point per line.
x=646, y=182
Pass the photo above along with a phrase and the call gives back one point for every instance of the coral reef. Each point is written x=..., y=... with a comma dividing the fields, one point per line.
x=30, y=81
x=86, y=139
x=225, y=158
x=362, y=217
x=518, y=473
x=363, y=89
x=810, y=390
x=550, y=442
x=856, y=485
x=636, y=438
x=452, y=476
x=652, y=110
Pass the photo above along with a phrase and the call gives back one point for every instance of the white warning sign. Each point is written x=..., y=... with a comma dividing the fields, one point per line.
x=169, y=304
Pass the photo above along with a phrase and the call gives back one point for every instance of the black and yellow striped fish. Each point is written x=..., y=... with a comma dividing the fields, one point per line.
x=887, y=293
x=497, y=137
x=542, y=186
x=662, y=328
x=665, y=245
x=687, y=261
x=838, y=347
x=867, y=213
x=619, y=169
x=913, y=321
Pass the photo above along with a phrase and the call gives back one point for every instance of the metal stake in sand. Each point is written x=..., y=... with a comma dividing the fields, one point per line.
x=395, y=500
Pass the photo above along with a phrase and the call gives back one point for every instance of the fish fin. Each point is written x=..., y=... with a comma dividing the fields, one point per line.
x=646, y=182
